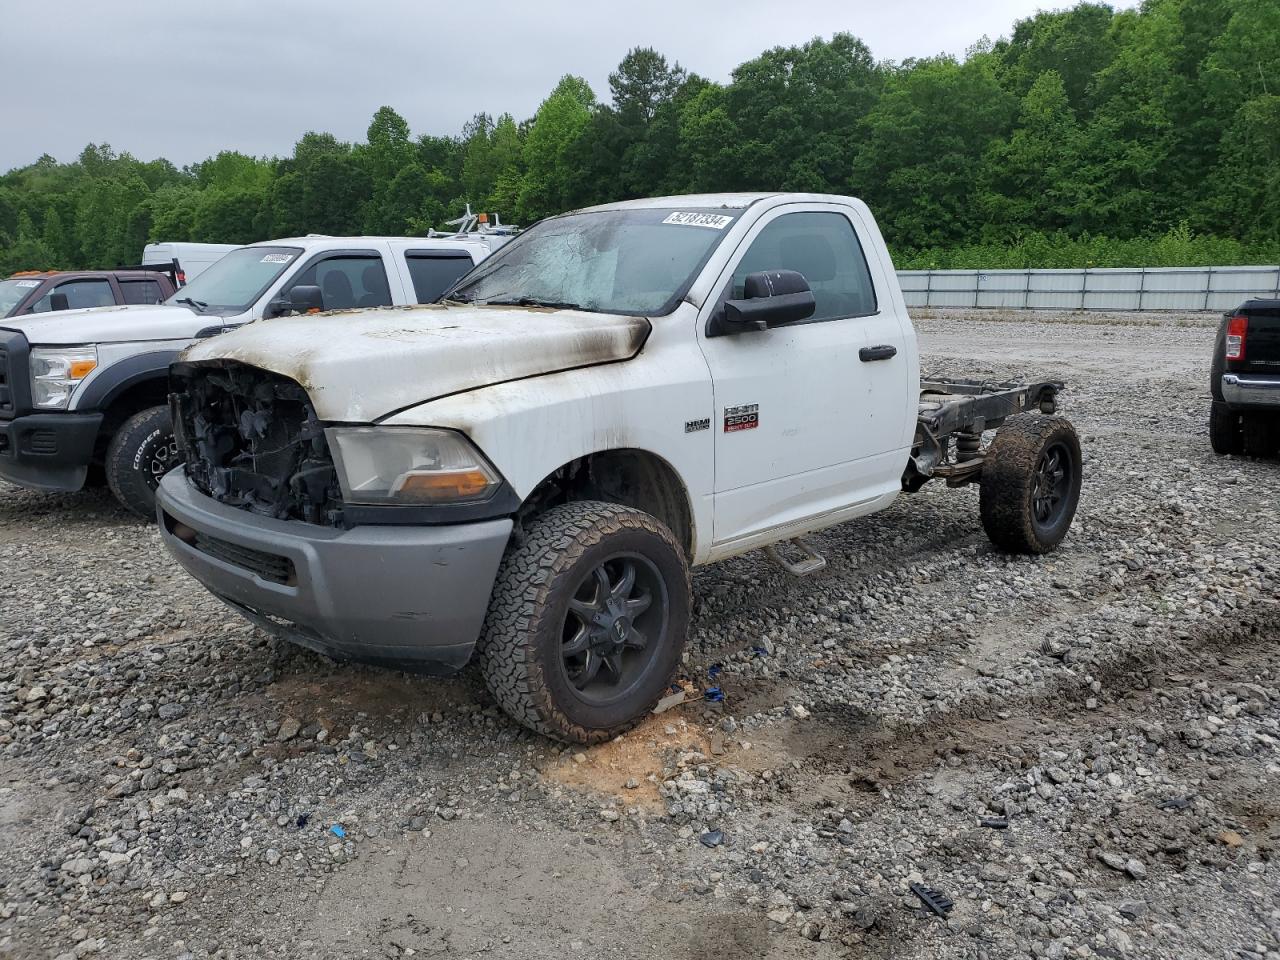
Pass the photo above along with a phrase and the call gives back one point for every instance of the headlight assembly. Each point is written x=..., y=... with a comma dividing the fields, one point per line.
x=56, y=372
x=410, y=465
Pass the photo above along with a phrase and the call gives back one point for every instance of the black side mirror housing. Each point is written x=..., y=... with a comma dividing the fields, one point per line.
x=771, y=298
x=303, y=298
x=58, y=301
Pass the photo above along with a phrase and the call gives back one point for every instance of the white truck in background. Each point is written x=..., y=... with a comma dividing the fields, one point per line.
x=84, y=392
x=186, y=260
x=528, y=469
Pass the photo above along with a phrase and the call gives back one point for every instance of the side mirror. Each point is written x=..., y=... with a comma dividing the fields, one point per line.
x=306, y=298
x=771, y=298
x=58, y=301
x=301, y=299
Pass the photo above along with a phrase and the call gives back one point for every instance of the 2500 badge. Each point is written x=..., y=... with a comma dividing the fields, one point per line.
x=743, y=417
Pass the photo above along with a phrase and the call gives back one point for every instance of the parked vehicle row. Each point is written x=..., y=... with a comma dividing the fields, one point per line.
x=426, y=450
x=84, y=392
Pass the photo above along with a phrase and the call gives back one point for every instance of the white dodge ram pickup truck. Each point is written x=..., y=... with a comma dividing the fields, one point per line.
x=529, y=468
x=86, y=389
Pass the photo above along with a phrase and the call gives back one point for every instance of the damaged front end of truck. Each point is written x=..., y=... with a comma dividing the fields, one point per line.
x=251, y=439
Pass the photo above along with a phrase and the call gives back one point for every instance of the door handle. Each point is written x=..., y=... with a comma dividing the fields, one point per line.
x=882, y=352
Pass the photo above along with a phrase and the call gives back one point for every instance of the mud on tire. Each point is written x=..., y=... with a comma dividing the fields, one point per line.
x=1030, y=483
x=587, y=621
x=140, y=453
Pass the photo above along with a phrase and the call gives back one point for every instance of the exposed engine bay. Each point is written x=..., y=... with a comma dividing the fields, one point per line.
x=251, y=439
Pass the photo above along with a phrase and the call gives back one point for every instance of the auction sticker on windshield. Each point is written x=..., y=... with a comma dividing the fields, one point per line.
x=28, y=283
x=277, y=258
x=715, y=221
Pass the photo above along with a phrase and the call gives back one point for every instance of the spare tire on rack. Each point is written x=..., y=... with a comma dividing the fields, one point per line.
x=1030, y=481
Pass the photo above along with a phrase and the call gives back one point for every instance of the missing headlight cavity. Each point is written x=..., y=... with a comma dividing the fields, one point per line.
x=252, y=440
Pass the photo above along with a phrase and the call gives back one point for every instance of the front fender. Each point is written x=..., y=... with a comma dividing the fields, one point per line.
x=110, y=383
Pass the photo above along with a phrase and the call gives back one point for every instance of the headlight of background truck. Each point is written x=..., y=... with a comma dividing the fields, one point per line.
x=399, y=465
x=55, y=373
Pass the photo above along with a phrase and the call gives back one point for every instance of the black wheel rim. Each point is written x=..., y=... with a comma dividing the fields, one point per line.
x=614, y=628
x=1051, y=493
x=159, y=458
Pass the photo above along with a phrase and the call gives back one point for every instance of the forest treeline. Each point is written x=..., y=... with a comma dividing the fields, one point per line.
x=1088, y=136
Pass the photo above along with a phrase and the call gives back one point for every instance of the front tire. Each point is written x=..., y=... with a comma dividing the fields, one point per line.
x=587, y=621
x=1031, y=478
x=142, y=451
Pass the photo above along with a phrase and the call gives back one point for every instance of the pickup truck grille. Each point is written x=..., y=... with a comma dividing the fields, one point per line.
x=252, y=440
x=14, y=388
x=6, y=390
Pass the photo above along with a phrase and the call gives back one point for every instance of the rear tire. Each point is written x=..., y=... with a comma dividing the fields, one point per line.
x=1225, y=435
x=1031, y=478
x=1260, y=434
x=142, y=451
x=587, y=621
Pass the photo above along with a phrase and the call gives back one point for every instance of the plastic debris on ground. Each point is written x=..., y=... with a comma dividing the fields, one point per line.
x=994, y=823
x=712, y=838
x=714, y=694
x=337, y=830
x=935, y=900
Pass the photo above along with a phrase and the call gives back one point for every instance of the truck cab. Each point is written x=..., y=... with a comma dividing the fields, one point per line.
x=36, y=292
x=85, y=390
x=528, y=469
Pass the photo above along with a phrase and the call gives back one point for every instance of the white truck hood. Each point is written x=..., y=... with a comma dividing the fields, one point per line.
x=358, y=366
x=121, y=324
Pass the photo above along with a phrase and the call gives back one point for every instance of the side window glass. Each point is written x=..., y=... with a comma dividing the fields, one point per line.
x=79, y=294
x=348, y=282
x=433, y=274
x=825, y=249
x=141, y=291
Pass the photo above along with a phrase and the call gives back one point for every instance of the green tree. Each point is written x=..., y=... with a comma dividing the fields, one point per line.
x=925, y=143
x=1029, y=182
x=550, y=183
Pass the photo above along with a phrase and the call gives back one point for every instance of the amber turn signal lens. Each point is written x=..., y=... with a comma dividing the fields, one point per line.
x=80, y=369
x=460, y=485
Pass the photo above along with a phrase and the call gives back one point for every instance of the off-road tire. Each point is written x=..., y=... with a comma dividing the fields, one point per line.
x=1260, y=434
x=520, y=646
x=1225, y=435
x=131, y=455
x=1009, y=479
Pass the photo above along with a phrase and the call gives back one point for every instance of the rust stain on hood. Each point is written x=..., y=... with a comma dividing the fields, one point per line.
x=360, y=366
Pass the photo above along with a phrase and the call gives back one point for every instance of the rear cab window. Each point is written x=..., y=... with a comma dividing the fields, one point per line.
x=435, y=271
x=141, y=291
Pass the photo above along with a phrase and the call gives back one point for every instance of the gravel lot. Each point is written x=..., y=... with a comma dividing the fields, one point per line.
x=170, y=775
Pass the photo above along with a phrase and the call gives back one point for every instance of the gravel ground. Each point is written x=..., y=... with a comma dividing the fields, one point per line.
x=1112, y=712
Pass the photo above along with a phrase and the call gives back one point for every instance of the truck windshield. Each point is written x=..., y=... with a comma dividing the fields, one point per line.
x=636, y=261
x=12, y=293
x=234, y=283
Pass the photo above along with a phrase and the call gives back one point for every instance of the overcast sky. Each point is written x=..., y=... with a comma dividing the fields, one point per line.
x=184, y=79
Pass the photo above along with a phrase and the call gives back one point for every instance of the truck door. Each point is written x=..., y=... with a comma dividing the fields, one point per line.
x=810, y=418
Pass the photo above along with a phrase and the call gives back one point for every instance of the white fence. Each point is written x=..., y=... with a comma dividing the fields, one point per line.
x=1151, y=288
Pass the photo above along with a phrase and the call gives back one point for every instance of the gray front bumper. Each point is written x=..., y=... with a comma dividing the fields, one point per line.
x=1251, y=390
x=408, y=597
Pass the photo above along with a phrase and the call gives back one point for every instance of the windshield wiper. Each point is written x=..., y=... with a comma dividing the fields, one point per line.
x=200, y=305
x=537, y=302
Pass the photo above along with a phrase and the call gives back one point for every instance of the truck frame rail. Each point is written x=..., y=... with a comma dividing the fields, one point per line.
x=953, y=415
